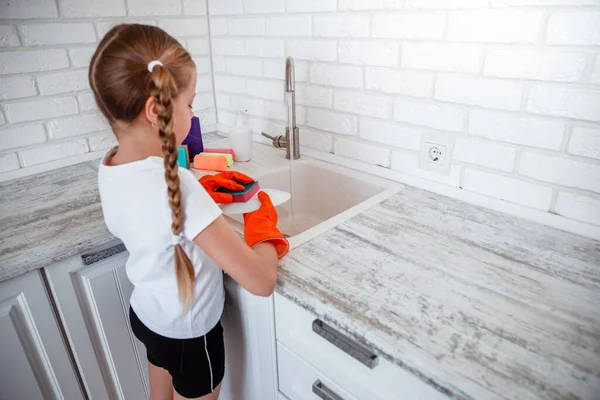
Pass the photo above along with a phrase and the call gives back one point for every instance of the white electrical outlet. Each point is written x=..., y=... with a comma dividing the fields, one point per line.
x=436, y=152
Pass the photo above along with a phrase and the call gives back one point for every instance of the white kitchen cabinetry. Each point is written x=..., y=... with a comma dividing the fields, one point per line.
x=250, y=369
x=34, y=360
x=315, y=361
x=92, y=296
x=300, y=381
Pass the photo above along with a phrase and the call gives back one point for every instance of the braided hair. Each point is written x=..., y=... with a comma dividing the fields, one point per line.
x=122, y=84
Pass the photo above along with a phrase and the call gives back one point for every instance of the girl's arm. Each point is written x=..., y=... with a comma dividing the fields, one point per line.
x=255, y=269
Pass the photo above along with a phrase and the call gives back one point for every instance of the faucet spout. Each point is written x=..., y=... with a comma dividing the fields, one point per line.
x=291, y=140
x=290, y=75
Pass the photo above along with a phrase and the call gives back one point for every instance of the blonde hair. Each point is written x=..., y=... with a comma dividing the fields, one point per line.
x=121, y=83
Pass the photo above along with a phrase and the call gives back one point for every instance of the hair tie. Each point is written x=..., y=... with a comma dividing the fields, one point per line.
x=177, y=239
x=153, y=64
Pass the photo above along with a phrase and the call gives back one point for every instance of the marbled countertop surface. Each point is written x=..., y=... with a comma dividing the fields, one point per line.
x=480, y=304
x=477, y=303
x=48, y=217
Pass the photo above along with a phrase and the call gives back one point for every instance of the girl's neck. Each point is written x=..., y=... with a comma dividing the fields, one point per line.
x=136, y=144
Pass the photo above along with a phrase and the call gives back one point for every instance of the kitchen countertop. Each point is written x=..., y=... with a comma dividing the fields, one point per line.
x=479, y=304
x=51, y=216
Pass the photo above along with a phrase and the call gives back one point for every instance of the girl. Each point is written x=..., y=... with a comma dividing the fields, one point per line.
x=144, y=84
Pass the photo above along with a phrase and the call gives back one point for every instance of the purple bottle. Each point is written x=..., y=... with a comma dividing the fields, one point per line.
x=194, y=139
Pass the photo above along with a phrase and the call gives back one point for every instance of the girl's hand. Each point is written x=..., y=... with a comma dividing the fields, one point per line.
x=228, y=180
x=261, y=226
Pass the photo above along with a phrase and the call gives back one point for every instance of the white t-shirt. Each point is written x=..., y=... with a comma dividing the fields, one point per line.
x=136, y=210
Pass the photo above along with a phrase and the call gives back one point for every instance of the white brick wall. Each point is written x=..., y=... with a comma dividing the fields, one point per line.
x=561, y=171
x=336, y=75
x=408, y=26
x=411, y=83
x=332, y=122
x=9, y=162
x=304, y=6
x=360, y=151
x=338, y=26
x=360, y=5
x=562, y=101
x=366, y=52
x=264, y=47
x=63, y=82
x=20, y=136
x=314, y=96
x=16, y=62
x=47, y=110
x=596, y=73
x=509, y=189
x=517, y=129
x=585, y=141
x=92, y=8
x=53, y=152
x=475, y=91
x=317, y=140
x=408, y=163
x=390, y=133
x=494, y=26
x=244, y=66
x=58, y=33
x=574, y=28
x=511, y=86
x=442, y=116
x=313, y=50
x=578, y=207
x=8, y=36
x=16, y=87
x=442, y=57
x=485, y=154
x=289, y=26
x=44, y=108
x=77, y=125
x=362, y=104
x=535, y=65
x=246, y=26
x=28, y=9
x=266, y=89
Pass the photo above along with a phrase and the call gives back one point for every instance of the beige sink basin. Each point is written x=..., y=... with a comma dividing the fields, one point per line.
x=323, y=195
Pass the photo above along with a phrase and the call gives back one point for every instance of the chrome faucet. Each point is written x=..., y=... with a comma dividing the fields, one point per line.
x=282, y=141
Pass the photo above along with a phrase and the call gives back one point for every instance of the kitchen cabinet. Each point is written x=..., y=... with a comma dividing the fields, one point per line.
x=316, y=361
x=34, y=359
x=248, y=325
x=92, y=295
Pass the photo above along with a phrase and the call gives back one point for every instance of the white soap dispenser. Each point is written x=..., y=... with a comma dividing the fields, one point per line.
x=240, y=137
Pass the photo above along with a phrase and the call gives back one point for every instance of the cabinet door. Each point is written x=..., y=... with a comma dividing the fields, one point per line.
x=250, y=363
x=34, y=361
x=92, y=294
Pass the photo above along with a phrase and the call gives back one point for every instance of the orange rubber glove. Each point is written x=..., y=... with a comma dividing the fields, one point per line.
x=261, y=226
x=228, y=180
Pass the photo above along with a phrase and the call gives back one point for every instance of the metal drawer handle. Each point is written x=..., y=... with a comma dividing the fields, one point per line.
x=353, y=349
x=93, y=258
x=324, y=392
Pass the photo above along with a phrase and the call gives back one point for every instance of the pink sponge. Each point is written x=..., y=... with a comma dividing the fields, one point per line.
x=242, y=196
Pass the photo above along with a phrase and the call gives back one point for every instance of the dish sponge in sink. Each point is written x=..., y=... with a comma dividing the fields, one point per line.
x=242, y=196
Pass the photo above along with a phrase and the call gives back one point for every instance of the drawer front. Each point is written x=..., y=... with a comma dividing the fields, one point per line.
x=300, y=381
x=343, y=360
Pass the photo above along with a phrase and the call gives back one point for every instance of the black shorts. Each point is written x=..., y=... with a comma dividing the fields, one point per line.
x=197, y=365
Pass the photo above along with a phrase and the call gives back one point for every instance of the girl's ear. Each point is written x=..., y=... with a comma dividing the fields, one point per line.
x=150, y=111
